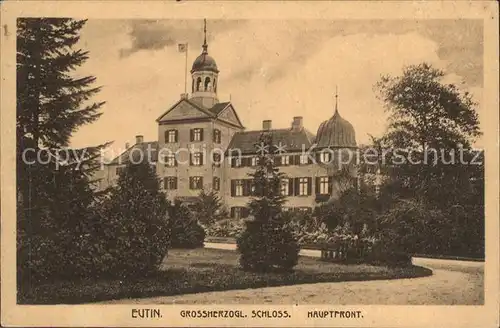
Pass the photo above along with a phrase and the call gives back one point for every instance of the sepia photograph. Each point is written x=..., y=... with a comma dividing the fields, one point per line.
x=214, y=162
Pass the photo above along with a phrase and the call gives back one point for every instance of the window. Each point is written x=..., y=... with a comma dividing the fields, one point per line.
x=255, y=161
x=236, y=161
x=242, y=187
x=238, y=188
x=170, y=160
x=171, y=136
x=217, y=136
x=208, y=86
x=216, y=159
x=198, y=84
x=195, y=182
x=216, y=184
x=284, y=187
x=324, y=184
x=304, y=159
x=170, y=183
x=197, y=134
x=285, y=160
x=325, y=157
x=196, y=159
x=303, y=186
x=119, y=170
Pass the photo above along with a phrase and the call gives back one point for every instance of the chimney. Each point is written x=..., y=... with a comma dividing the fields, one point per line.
x=127, y=145
x=266, y=125
x=139, y=139
x=297, y=123
x=184, y=96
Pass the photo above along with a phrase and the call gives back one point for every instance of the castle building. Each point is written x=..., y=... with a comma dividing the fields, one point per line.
x=203, y=144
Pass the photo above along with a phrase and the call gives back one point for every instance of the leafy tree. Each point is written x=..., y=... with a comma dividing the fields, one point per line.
x=267, y=242
x=54, y=190
x=135, y=231
x=428, y=122
x=209, y=208
x=424, y=112
x=431, y=126
x=185, y=230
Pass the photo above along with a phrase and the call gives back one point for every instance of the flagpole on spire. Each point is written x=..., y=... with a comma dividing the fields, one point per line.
x=336, y=98
x=205, y=45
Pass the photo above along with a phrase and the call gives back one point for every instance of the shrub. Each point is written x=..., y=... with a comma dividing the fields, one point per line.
x=209, y=208
x=185, y=230
x=267, y=247
x=135, y=232
x=225, y=228
x=410, y=226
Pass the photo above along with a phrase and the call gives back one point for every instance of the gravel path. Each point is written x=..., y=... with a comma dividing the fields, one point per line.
x=453, y=283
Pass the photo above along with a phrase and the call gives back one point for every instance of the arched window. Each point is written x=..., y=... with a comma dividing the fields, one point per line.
x=192, y=86
x=215, y=85
x=198, y=84
x=208, y=86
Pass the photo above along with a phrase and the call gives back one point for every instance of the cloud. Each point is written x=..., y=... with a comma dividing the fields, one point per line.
x=459, y=42
x=158, y=34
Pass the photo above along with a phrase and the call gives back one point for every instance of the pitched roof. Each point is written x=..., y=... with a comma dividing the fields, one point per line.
x=292, y=140
x=147, y=149
x=212, y=112
x=217, y=108
x=191, y=103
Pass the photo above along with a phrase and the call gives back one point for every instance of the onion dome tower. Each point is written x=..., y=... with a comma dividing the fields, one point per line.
x=204, y=74
x=336, y=132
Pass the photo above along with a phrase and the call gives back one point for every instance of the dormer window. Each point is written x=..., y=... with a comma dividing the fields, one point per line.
x=285, y=160
x=255, y=161
x=236, y=161
x=325, y=157
x=304, y=159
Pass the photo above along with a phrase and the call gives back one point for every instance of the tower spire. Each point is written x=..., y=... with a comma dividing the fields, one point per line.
x=336, y=99
x=205, y=45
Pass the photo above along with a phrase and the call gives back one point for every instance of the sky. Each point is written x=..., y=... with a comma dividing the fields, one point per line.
x=270, y=69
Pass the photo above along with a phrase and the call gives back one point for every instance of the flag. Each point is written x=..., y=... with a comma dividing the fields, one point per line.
x=183, y=47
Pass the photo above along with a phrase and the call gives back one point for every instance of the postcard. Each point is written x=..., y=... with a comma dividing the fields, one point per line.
x=236, y=163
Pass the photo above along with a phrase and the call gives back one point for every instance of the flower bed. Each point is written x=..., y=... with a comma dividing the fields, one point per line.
x=227, y=228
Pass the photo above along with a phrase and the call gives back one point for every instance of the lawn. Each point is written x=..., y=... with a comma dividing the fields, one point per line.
x=203, y=270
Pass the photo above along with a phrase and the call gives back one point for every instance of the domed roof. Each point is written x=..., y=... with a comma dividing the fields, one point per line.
x=336, y=132
x=204, y=63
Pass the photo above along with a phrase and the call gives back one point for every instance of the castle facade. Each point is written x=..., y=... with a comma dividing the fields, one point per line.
x=203, y=144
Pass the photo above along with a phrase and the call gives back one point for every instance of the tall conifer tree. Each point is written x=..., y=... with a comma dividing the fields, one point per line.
x=54, y=194
x=267, y=243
